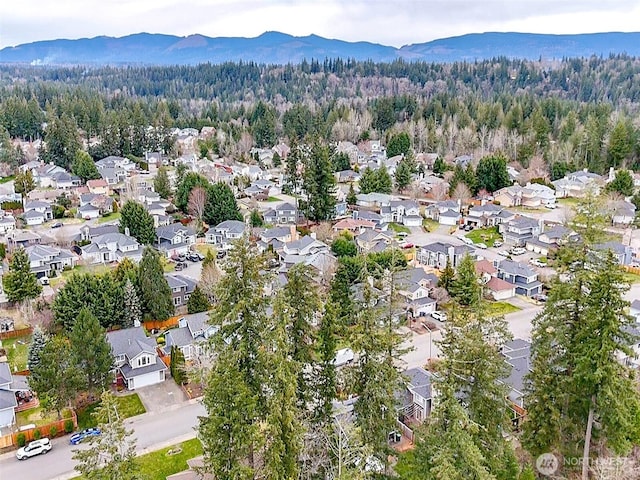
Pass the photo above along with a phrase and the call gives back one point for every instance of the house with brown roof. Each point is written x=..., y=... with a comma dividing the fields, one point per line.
x=98, y=187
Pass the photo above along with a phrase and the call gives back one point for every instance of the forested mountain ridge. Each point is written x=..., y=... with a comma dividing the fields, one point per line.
x=279, y=48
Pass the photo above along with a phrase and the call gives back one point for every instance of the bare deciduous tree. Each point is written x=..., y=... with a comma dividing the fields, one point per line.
x=439, y=190
x=209, y=278
x=197, y=202
x=324, y=232
x=461, y=193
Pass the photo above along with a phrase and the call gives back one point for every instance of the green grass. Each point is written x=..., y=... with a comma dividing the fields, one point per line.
x=396, y=227
x=109, y=218
x=274, y=199
x=66, y=274
x=158, y=465
x=7, y=179
x=631, y=277
x=17, y=352
x=484, y=235
x=38, y=416
x=570, y=201
x=128, y=406
x=429, y=225
x=501, y=308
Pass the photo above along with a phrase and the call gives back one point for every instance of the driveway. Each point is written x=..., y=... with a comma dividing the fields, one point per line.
x=162, y=396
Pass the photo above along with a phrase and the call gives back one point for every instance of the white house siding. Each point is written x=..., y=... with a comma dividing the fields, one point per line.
x=145, y=380
x=7, y=417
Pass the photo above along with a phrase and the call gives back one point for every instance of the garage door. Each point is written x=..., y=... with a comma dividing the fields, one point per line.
x=147, y=379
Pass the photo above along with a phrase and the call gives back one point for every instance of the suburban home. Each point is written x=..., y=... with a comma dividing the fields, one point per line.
x=446, y=212
x=631, y=360
x=88, y=233
x=284, y=213
x=550, y=240
x=578, y=184
x=22, y=238
x=46, y=261
x=373, y=240
x=307, y=245
x=405, y=212
x=414, y=285
x=175, y=239
x=533, y=195
x=88, y=212
x=417, y=396
x=276, y=237
x=499, y=289
x=7, y=222
x=64, y=180
x=8, y=401
x=225, y=233
x=98, y=187
x=519, y=230
x=136, y=360
x=190, y=336
x=623, y=212
x=347, y=176
x=438, y=253
x=181, y=288
x=111, y=247
x=322, y=264
x=521, y=276
x=353, y=225
x=374, y=217
x=622, y=253
x=517, y=354
x=487, y=215
x=373, y=200
x=37, y=212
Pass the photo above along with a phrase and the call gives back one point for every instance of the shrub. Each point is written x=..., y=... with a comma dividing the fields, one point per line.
x=160, y=340
x=22, y=440
x=68, y=426
x=37, y=435
x=53, y=431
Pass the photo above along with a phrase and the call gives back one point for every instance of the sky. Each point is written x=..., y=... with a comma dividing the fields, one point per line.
x=389, y=22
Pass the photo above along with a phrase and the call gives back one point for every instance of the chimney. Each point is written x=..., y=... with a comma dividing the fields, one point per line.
x=293, y=233
x=155, y=221
x=126, y=231
x=612, y=175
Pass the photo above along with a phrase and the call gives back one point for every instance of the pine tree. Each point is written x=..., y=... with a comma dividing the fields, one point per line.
x=622, y=183
x=24, y=182
x=256, y=220
x=465, y=287
x=351, y=196
x=198, y=302
x=20, y=283
x=402, y=175
x=161, y=184
x=91, y=351
x=295, y=158
x=221, y=205
x=112, y=455
x=188, y=182
x=38, y=341
x=177, y=365
x=131, y=312
x=491, y=173
x=135, y=219
x=156, y=300
x=447, y=277
x=84, y=167
x=325, y=384
x=319, y=185
x=384, y=183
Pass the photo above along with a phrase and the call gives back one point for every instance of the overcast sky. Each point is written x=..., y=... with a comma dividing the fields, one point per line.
x=389, y=22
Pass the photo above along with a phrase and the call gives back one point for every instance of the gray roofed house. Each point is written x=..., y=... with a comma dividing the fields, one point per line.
x=436, y=254
x=181, y=287
x=45, y=261
x=191, y=335
x=8, y=401
x=521, y=276
x=112, y=247
x=519, y=230
x=174, y=239
x=225, y=233
x=136, y=359
x=88, y=232
x=517, y=354
x=622, y=253
x=285, y=213
x=416, y=398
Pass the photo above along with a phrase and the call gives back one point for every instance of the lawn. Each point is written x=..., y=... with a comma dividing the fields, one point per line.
x=485, y=235
x=274, y=199
x=429, y=225
x=501, y=308
x=6, y=179
x=109, y=218
x=66, y=274
x=631, y=277
x=17, y=352
x=158, y=465
x=203, y=248
x=396, y=227
x=569, y=201
x=128, y=406
x=38, y=416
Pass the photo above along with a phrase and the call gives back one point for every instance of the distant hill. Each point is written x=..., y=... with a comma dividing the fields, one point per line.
x=280, y=48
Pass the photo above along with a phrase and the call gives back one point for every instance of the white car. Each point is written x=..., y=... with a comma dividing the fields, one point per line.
x=437, y=315
x=34, y=448
x=497, y=243
x=481, y=245
x=551, y=206
x=466, y=240
x=518, y=251
x=537, y=263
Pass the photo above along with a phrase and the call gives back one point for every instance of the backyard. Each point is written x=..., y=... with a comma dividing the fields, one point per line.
x=501, y=308
x=109, y=218
x=128, y=406
x=484, y=235
x=17, y=352
x=39, y=417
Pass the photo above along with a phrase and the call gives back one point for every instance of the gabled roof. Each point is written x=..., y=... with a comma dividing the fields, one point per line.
x=131, y=342
x=419, y=381
x=179, y=281
x=169, y=231
x=231, y=226
x=496, y=284
x=276, y=232
x=485, y=266
x=5, y=373
x=524, y=222
x=515, y=268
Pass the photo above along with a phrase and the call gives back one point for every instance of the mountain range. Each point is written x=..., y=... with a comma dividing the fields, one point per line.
x=281, y=48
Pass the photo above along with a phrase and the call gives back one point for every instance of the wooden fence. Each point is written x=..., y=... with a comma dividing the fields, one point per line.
x=630, y=269
x=11, y=440
x=162, y=324
x=16, y=333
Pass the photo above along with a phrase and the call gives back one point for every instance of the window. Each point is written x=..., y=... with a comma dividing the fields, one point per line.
x=142, y=361
x=177, y=301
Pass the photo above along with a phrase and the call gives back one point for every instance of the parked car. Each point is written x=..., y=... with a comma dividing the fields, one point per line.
x=517, y=251
x=466, y=240
x=194, y=257
x=461, y=226
x=44, y=280
x=551, y=206
x=406, y=245
x=537, y=263
x=221, y=254
x=504, y=253
x=468, y=228
x=540, y=297
x=497, y=244
x=438, y=315
x=34, y=448
x=481, y=245
x=56, y=225
x=180, y=266
x=78, y=437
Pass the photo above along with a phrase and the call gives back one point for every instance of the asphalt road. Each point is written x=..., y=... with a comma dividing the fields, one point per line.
x=152, y=431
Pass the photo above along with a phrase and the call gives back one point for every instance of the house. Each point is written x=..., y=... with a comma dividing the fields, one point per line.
x=438, y=253
x=23, y=238
x=88, y=233
x=487, y=215
x=98, y=187
x=519, y=230
x=353, y=225
x=111, y=247
x=175, y=239
x=225, y=233
x=190, y=336
x=7, y=222
x=551, y=239
x=285, y=213
x=321, y=262
x=307, y=245
x=414, y=285
x=521, y=276
x=374, y=217
x=485, y=270
x=373, y=240
x=8, y=401
x=446, y=212
x=517, y=354
x=622, y=253
x=47, y=261
x=500, y=289
x=181, y=288
x=65, y=181
x=417, y=396
x=37, y=212
x=405, y=212
x=623, y=213
x=578, y=184
x=136, y=360
x=276, y=237
x=533, y=195
x=375, y=200
x=347, y=176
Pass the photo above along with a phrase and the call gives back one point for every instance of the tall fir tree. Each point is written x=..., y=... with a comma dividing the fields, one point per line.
x=198, y=302
x=38, y=341
x=221, y=205
x=111, y=455
x=84, y=167
x=139, y=224
x=91, y=352
x=131, y=310
x=319, y=184
x=351, y=196
x=155, y=299
x=402, y=175
x=161, y=183
x=20, y=283
x=466, y=288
